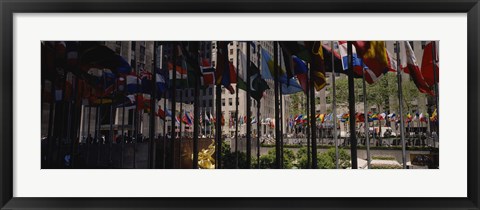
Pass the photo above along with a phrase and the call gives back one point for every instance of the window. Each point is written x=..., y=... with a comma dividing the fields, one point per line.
x=230, y=102
x=204, y=92
x=223, y=102
x=134, y=45
x=142, y=53
x=223, y=90
x=210, y=102
x=210, y=90
x=231, y=51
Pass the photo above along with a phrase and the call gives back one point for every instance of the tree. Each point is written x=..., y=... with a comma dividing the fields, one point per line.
x=268, y=161
x=297, y=103
x=326, y=160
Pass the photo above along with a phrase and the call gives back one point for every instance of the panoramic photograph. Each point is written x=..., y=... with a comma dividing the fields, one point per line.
x=332, y=104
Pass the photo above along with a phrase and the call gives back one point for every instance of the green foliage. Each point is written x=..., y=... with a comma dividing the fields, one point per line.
x=386, y=167
x=325, y=160
x=229, y=158
x=296, y=103
x=268, y=161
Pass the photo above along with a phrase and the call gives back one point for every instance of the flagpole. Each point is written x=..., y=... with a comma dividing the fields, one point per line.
x=334, y=106
x=123, y=132
x=236, y=110
x=180, y=134
x=164, y=141
x=276, y=84
x=281, y=121
x=153, y=103
x=400, y=99
x=258, y=114
x=351, y=104
x=434, y=61
x=218, y=110
x=111, y=133
x=313, y=124
x=196, y=109
x=307, y=112
x=173, y=106
x=365, y=109
x=136, y=114
x=249, y=111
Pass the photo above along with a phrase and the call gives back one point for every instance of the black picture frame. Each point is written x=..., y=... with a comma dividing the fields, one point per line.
x=10, y=7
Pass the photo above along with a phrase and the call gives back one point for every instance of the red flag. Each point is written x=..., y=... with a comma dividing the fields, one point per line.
x=409, y=64
x=161, y=113
x=427, y=65
x=360, y=117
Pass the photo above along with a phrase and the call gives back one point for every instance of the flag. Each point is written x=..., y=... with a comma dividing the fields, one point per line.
x=224, y=73
x=375, y=57
x=289, y=85
x=427, y=64
x=374, y=117
x=423, y=118
x=134, y=84
x=409, y=117
x=360, y=117
x=160, y=113
x=208, y=76
x=254, y=120
x=177, y=120
x=103, y=57
x=434, y=117
x=257, y=84
x=382, y=116
x=409, y=65
x=187, y=119
x=298, y=118
x=317, y=64
x=357, y=62
x=300, y=70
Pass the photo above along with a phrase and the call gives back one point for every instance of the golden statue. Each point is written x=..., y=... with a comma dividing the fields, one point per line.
x=205, y=159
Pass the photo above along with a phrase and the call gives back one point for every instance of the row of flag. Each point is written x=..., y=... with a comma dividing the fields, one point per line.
x=106, y=72
x=360, y=117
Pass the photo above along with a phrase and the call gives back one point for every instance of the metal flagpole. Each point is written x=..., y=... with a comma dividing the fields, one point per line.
x=153, y=103
x=236, y=110
x=174, y=98
x=351, y=105
x=218, y=109
x=365, y=108
x=400, y=100
x=196, y=108
x=307, y=127
x=123, y=134
x=164, y=141
x=434, y=63
x=334, y=105
x=313, y=125
x=249, y=111
x=280, y=116
x=258, y=115
x=277, y=131
x=180, y=134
